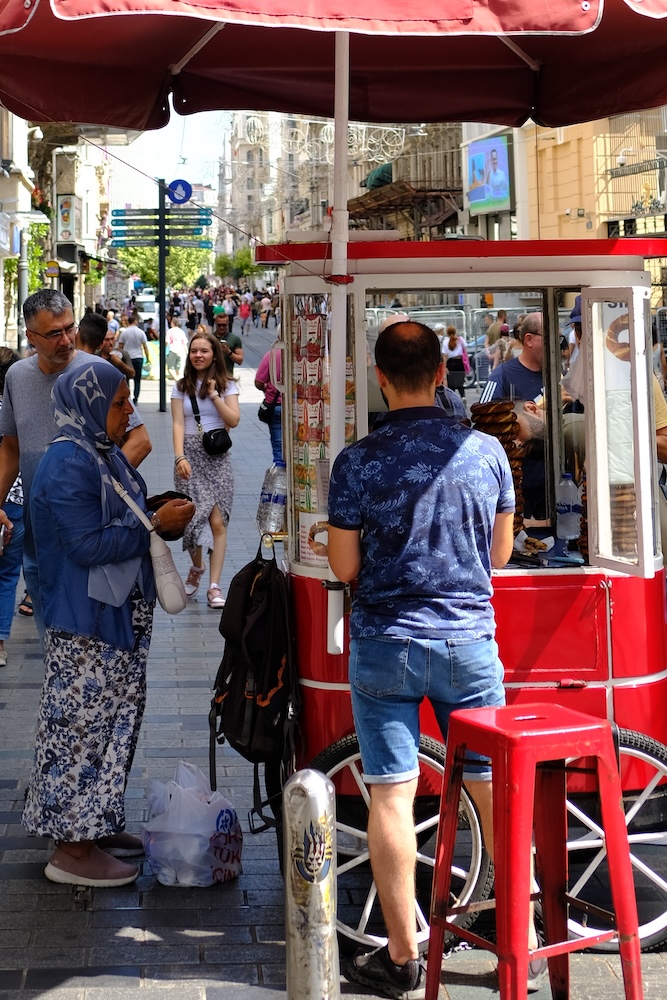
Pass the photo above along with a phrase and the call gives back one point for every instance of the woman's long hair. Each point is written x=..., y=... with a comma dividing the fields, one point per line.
x=218, y=370
x=453, y=337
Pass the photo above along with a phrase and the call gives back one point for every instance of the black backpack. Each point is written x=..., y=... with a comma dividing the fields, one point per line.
x=255, y=704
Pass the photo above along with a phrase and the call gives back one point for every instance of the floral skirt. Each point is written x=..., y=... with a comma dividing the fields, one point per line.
x=211, y=484
x=92, y=704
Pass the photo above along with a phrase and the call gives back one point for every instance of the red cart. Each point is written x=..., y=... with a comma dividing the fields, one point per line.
x=587, y=632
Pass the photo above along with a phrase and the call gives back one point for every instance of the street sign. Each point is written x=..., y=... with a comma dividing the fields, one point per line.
x=197, y=244
x=123, y=242
x=179, y=191
x=122, y=212
x=192, y=220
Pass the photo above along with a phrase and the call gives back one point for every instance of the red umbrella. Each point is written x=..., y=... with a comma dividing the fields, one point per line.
x=114, y=62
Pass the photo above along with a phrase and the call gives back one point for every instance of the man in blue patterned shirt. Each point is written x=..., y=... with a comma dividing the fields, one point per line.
x=419, y=512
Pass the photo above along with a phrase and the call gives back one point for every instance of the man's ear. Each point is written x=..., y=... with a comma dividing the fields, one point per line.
x=440, y=374
x=383, y=381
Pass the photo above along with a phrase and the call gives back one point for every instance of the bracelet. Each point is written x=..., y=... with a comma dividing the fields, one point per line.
x=215, y=395
x=181, y=458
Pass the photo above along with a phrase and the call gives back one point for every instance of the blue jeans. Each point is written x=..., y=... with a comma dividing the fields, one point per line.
x=276, y=433
x=10, y=568
x=31, y=577
x=389, y=678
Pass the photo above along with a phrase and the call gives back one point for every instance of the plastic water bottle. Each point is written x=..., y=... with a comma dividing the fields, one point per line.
x=273, y=500
x=567, y=508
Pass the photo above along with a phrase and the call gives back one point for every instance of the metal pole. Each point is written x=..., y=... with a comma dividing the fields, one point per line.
x=309, y=841
x=162, y=252
x=22, y=288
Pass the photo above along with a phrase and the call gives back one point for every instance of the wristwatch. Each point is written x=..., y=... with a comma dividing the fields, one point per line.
x=155, y=521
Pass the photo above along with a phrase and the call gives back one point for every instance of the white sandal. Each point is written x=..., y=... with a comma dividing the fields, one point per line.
x=214, y=597
x=194, y=579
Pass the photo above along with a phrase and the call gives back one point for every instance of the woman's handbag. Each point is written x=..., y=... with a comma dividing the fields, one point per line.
x=466, y=359
x=215, y=442
x=168, y=584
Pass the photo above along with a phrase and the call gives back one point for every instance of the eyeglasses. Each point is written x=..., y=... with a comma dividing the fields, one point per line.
x=54, y=335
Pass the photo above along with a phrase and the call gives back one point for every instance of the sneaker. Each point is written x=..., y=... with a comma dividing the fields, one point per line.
x=214, y=597
x=376, y=969
x=99, y=870
x=3, y=658
x=538, y=974
x=194, y=579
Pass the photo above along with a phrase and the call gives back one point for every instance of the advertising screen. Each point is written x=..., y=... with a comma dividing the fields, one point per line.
x=488, y=176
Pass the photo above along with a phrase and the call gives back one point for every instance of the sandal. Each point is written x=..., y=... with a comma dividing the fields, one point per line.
x=214, y=597
x=25, y=607
x=194, y=579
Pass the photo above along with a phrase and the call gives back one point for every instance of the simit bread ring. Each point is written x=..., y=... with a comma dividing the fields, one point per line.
x=319, y=548
x=619, y=349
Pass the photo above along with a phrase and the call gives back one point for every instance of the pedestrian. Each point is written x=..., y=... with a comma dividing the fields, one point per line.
x=245, y=316
x=209, y=479
x=177, y=349
x=272, y=406
x=453, y=348
x=26, y=419
x=231, y=343
x=419, y=512
x=133, y=340
x=11, y=553
x=98, y=594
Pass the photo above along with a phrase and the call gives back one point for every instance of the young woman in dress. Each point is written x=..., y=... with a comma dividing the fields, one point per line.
x=208, y=479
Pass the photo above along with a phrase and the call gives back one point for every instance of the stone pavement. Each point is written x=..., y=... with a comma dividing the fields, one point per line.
x=146, y=941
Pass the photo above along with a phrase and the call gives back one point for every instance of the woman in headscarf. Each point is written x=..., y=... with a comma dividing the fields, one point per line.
x=98, y=592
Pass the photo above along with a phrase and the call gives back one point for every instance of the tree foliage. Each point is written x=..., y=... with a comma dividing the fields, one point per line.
x=239, y=266
x=184, y=264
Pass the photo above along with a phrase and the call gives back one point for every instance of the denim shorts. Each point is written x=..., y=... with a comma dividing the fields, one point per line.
x=389, y=678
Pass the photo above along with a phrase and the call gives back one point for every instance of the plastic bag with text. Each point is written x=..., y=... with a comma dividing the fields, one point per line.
x=193, y=835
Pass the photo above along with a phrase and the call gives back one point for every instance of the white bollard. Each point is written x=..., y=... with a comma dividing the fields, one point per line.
x=309, y=839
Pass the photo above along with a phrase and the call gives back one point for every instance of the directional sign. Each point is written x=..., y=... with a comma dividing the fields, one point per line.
x=179, y=191
x=123, y=212
x=134, y=243
x=195, y=210
x=198, y=244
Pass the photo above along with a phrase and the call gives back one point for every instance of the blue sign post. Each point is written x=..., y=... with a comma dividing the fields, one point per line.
x=179, y=191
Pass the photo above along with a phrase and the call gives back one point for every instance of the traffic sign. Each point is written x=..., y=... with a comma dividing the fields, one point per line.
x=179, y=191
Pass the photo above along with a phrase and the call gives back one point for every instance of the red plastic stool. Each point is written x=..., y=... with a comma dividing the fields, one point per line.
x=520, y=740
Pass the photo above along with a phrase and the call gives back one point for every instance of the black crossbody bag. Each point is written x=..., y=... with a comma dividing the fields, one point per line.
x=215, y=442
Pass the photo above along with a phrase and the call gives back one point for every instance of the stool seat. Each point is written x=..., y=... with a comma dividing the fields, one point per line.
x=528, y=746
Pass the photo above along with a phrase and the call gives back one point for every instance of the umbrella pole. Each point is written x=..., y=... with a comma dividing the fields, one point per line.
x=339, y=239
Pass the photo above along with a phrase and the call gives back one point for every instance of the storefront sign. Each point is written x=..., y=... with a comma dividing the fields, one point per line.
x=52, y=270
x=69, y=218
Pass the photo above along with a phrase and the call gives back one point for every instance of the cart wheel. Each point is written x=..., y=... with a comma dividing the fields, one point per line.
x=643, y=765
x=359, y=919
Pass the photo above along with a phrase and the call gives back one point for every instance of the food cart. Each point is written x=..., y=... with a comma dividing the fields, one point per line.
x=582, y=624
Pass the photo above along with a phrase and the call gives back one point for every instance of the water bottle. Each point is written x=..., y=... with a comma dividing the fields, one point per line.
x=273, y=500
x=567, y=508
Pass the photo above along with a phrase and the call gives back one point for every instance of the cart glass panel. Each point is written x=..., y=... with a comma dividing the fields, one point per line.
x=310, y=376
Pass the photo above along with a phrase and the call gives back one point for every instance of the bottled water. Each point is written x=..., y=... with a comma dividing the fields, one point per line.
x=273, y=500
x=567, y=508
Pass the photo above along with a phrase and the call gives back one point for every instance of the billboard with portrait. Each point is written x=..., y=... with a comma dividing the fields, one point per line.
x=488, y=176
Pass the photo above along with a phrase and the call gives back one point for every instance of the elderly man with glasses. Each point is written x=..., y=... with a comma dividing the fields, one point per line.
x=27, y=424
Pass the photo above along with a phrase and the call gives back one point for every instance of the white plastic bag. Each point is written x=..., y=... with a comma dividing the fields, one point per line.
x=193, y=835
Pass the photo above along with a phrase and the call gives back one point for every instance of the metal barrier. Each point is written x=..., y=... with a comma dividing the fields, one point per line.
x=309, y=831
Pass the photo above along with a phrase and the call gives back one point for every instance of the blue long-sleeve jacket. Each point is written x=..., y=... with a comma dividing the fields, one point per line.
x=66, y=517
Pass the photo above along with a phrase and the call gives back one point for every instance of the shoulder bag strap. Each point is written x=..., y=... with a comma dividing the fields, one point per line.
x=195, y=413
x=124, y=495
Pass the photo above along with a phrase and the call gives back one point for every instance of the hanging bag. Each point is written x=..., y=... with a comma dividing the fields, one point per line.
x=466, y=359
x=215, y=442
x=168, y=584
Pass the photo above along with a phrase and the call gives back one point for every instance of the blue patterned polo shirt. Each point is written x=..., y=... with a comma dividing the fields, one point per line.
x=424, y=490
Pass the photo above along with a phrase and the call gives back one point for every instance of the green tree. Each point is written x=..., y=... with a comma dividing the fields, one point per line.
x=239, y=266
x=184, y=264
x=38, y=235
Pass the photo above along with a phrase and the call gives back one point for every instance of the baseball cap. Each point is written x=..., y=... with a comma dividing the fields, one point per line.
x=575, y=315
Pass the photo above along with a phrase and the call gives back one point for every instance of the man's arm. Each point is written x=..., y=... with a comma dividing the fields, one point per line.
x=502, y=541
x=236, y=353
x=123, y=368
x=345, y=553
x=137, y=445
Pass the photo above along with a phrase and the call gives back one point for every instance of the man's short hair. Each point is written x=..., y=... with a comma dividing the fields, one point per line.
x=48, y=300
x=531, y=324
x=92, y=331
x=408, y=354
